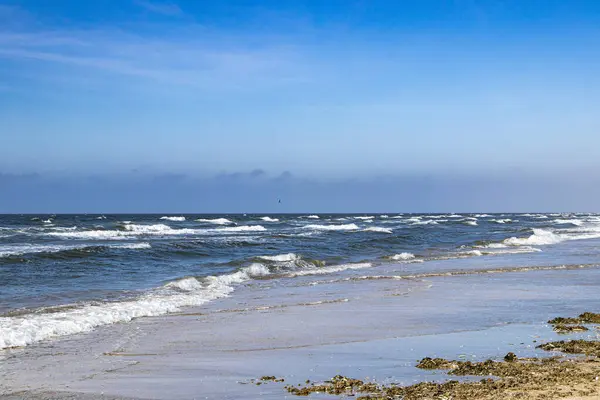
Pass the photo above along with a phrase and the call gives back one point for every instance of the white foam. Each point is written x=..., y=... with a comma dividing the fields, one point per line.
x=470, y=222
x=174, y=219
x=501, y=221
x=313, y=217
x=131, y=230
x=256, y=270
x=101, y=217
x=384, y=216
x=482, y=215
x=345, y=227
x=243, y=228
x=17, y=250
x=365, y=218
x=403, y=257
x=31, y=328
x=510, y=250
x=155, y=229
x=494, y=246
x=48, y=221
x=132, y=246
x=93, y=235
x=269, y=219
x=540, y=237
x=216, y=221
x=22, y=249
x=426, y=222
x=329, y=270
x=377, y=229
x=496, y=249
x=63, y=228
x=186, y=284
x=576, y=222
x=281, y=257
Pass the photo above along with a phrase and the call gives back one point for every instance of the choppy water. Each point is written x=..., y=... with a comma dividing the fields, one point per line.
x=66, y=274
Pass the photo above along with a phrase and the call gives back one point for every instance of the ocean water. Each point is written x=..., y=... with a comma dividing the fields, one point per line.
x=68, y=274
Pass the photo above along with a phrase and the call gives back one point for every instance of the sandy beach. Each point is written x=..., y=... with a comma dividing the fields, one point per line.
x=302, y=330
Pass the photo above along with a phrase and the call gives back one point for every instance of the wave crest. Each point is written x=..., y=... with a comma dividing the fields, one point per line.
x=377, y=229
x=344, y=227
x=174, y=219
x=216, y=221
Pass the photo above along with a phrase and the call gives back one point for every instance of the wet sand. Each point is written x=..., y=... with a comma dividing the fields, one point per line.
x=375, y=329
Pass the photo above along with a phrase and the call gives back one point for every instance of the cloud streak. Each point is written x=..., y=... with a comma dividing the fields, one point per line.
x=189, y=56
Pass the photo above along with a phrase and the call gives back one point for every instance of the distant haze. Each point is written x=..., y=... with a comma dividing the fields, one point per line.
x=260, y=193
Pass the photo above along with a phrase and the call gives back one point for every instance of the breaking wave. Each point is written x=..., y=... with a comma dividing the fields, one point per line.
x=31, y=328
x=19, y=250
x=540, y=237
x=216, y=221
x=377, y=229
x=131, y=230
x=576, y=222
x=243, y=228
x=281, y=257
x=345, y=227
x=329, y=270
x=174, y=219
x=26, y=329
x=403, y=257
x=426, y=222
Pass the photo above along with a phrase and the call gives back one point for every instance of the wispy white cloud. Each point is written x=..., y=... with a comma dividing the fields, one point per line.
x=168, y=9
x=192, y=58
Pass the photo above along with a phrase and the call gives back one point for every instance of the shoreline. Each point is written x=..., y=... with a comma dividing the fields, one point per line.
x=378, y=329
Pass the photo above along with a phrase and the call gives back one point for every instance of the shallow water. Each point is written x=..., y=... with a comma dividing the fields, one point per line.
x=68, y=274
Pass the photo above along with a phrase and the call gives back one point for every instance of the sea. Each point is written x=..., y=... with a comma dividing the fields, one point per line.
x=62, y=275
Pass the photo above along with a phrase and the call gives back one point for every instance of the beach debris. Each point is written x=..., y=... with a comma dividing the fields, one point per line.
x=573, y=347
x=338, y=385
x=546, y=377
x=584, y=318
x=563, y=329
x=513, y=377
x=590, y=318
x=435, y=363
x=271, y=378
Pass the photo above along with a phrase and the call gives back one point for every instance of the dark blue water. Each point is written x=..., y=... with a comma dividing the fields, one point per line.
x=62, y=274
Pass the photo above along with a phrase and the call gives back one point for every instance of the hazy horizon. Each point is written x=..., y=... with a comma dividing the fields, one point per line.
x=259, y=192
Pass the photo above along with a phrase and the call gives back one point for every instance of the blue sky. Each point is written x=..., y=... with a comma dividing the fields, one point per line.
x=332, y=91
